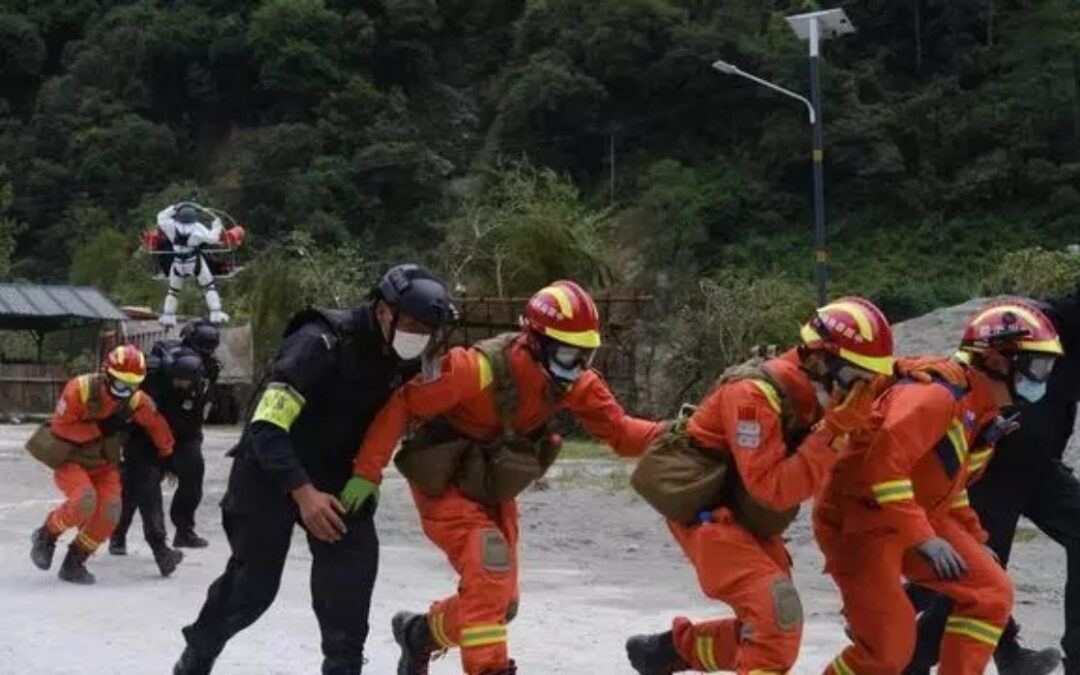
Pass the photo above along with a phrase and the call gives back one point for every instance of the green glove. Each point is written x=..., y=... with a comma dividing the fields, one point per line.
x=357, y=491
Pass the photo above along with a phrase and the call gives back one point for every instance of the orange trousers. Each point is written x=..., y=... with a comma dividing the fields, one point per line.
x=751, y=575
x=92, y=504
x=868, y=568
x=481, y=544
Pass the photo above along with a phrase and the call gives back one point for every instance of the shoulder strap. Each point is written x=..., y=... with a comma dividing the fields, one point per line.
x=755, y=371
x=505, y=392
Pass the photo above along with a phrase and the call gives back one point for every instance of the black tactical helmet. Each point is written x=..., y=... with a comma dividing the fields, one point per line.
x=201, y=335
x=185, y=364
x=186, y=214
x=418, y=294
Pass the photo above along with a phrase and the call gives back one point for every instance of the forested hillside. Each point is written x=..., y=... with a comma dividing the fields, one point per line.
x=509, y=141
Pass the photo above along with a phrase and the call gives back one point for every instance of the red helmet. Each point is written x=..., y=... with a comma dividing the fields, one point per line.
x=564, y=312
x=855, y=330
x=1012, y=326
x=126, y=364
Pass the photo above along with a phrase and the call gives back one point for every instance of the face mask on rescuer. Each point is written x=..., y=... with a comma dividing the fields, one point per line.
x=561, y=372
x=120, y=390
x=1030, y=390
x=409, y=346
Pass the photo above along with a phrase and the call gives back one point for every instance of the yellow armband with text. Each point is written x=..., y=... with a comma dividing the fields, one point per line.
x=280, y=405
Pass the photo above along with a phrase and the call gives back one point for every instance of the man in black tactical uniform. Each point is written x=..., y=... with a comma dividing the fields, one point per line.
x=1027, y=476
x=332, y=373
x=187, y=461
x=174, y=381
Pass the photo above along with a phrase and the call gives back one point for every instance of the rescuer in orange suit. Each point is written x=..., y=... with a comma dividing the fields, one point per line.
x=82, y=444
x=896, y=502
x=779, y=427
x=494, y=397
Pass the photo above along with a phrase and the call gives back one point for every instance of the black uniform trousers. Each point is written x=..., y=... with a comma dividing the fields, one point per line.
x=141, y=489
x=259, y=519
x=1052, y=503
x=189, y=466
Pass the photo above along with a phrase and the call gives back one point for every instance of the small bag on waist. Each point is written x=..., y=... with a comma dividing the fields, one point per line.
x=501, y=470
x=47, y=448
x=430, y=458
x=678, y=479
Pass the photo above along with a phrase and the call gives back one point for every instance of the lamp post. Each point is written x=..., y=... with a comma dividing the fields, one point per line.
x=813, y=27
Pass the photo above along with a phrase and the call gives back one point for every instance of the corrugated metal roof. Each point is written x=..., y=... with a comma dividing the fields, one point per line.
x=31, y=306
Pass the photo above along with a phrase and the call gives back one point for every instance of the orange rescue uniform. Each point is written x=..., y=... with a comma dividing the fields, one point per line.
x=89, y=481
x=481, y=542
x=899, y=484
x=752, y=574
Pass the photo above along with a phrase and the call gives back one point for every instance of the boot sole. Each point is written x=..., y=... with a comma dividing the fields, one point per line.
x=78, y=581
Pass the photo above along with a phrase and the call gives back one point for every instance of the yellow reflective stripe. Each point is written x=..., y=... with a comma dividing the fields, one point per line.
x=978, y=459
x=481, y=636
x=768, y=672
x=841, y=667
x=486, y=376
x=961, y=501
x=87, y=543
x=958, y=439
x=770, y=393
x=84, y=388
x=438, y=631
x=280, y=405
x=705, y=644
x=136, y=399
x=893, y=491
x=977, y=630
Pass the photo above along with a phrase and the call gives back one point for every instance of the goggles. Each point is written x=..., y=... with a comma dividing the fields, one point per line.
x=1036, y=367
x=121, y=389
x=570, y=357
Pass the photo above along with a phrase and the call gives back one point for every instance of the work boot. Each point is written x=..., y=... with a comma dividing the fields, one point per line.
x=73, y=568
x=43, y=549
x=191, y=663
x=188, y=539
x=655, y=654
x=1013, y=659
x=509, y=670
x=167, y=560
x=412, y=634
x=117, y=545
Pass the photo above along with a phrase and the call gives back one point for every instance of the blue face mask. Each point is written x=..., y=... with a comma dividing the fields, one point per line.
x=1030, y=390
x=561, y=372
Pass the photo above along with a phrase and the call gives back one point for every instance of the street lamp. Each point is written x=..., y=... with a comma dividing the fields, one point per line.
x=813, y=27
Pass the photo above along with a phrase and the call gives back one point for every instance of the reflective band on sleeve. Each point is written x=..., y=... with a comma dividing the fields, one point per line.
x=84, y=388
x=961, y=501
x=974, y=629
x=770, y=393
x=841, y=667
x=705, y=645
x=280, y=405
x=481, y=636
x=893, y=491
x=977, y=460
x=86, y=543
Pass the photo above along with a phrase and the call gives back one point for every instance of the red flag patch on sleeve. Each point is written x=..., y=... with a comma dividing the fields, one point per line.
x=748, y=428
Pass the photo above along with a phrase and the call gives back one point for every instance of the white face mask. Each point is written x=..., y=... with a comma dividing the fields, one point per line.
x=409, y=346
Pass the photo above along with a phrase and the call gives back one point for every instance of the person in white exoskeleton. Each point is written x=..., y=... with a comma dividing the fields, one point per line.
x=180, y=224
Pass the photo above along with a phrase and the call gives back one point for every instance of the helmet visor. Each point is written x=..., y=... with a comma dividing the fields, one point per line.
x=1037, y=367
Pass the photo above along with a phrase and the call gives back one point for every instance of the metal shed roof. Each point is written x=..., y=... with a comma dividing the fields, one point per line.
x=45, y=308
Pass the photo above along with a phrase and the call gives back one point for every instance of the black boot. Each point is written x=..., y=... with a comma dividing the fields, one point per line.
x=412, y=634
x=1013, y=659
x=43, y=549
x=188, y=539
x=167, y=559
x=117, y=545
x=654, y=654
x=191, y=663
x=509, y=670
x=74, y=567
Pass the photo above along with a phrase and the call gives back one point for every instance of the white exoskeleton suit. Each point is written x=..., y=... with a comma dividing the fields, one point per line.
x=187, y=236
